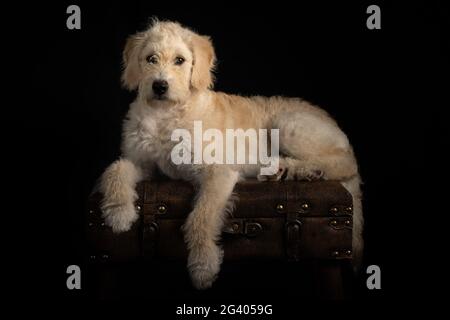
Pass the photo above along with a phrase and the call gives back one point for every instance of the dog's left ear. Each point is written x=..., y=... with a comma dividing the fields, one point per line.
x=131, y=69
x=203, y=64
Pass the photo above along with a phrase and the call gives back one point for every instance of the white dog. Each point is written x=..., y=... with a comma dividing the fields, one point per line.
x=171, y=67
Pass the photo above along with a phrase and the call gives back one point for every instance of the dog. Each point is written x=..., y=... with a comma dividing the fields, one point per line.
x=171, y=67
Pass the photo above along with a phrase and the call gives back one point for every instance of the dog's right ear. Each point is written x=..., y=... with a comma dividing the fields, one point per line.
x=204, y=59
x=131, y=68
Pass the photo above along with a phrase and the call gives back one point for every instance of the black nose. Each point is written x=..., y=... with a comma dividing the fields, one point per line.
x=160, y=87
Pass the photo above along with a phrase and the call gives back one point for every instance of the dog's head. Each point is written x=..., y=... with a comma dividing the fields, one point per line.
x=167, y=63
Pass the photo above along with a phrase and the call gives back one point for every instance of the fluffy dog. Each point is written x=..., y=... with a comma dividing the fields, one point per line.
x=171, y=68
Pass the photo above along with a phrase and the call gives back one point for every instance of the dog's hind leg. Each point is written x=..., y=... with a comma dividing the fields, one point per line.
x=313, y=144
x=204, y=224
x=117, y=184
x=336, y=165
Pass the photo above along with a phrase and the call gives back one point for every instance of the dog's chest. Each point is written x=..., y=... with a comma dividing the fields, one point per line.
x=152, y=137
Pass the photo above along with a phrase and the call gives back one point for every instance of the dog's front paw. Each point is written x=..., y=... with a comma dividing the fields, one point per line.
x=120, y=218
x=204, y=265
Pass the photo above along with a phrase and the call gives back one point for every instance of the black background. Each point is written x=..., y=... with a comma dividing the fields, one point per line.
x=384, y=87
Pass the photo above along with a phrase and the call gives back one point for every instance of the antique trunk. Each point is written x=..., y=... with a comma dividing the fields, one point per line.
x=286, y=220
x=280, y=234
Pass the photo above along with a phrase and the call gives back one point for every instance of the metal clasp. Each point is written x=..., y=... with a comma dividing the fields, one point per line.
x=252, y=229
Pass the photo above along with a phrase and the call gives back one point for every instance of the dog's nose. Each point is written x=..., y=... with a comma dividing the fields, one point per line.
x=160, y=87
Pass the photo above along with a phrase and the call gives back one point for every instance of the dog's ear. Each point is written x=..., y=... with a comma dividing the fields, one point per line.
x=131, y=68
x=203, y=64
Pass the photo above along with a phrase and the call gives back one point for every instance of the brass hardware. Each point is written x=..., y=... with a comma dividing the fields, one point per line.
x=294, y=225
x=252, y=229
x=349, y=209
x=280, y=207
x=105, y=256
x=334, y=210
x=162, y=209
x=138, y=208
x=91, y=211
x=335, y=253
x=348, y=252
x=333, y=223
x=92, y=257
x=152, y=227
x=232, y=228
x=347, y=222
x=102, y=224
x=304, y=207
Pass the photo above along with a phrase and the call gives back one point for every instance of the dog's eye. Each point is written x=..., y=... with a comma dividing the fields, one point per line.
x=152, y=59
x=179, y=61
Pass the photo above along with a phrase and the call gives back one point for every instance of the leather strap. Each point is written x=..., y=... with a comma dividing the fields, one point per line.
x=149, y=236
x=150, y=228
x=293, y=229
